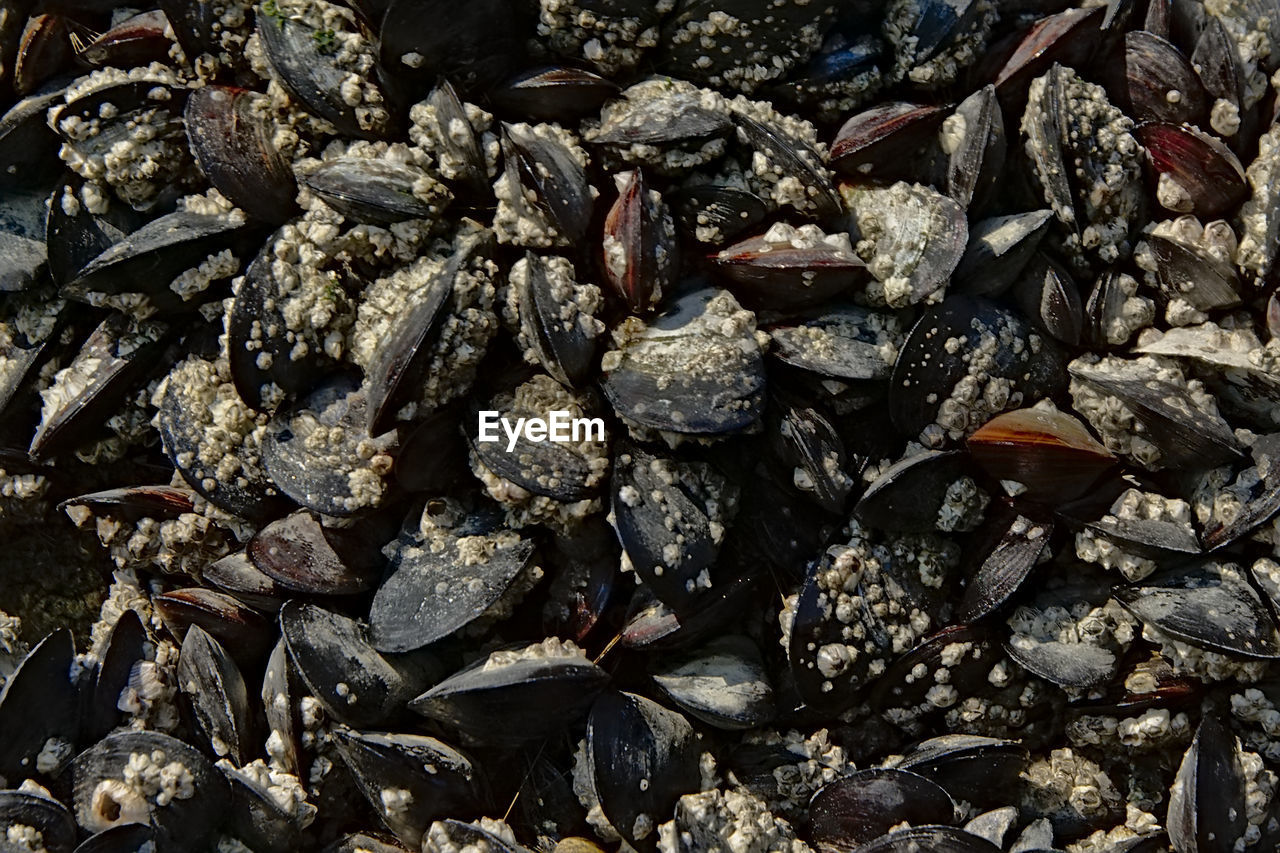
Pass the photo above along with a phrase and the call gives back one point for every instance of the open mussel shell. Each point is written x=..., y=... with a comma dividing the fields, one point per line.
x=687, y=371
x=1209, y=178
x=232, y=143
x=723, y=683
x=312, y=76
x=909, y=495
x=1207, y=800
x=475, y=45
x=381, y=192
x=23, y=255
x=319, y=454
x=999, y=249
x=112, y=363
x=38, y=704
x=48, y=817
x=428, y=595
x=555, y=93
x=517, y=695
x=872, y=143
x=630, y=737
x=146, y=260
x=856, y=809
x=241, y=630
x=784, y=270
x=1209, y=605
x=299, y=553
x=972, y=768
x=432, y=779
x=219, y=699
x=355, y=684
x=1048, y=451
x=195, y=799
x=1004, y=552
x=1185, y=435
x=670, y=515
x=557, y=332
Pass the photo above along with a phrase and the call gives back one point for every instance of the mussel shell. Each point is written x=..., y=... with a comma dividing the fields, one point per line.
x=310, y=75
x=1206, y=802
x=426, y=596
x=125, y=647
x=652, y=492
x=871, y=143
x=216, y=690
x=1207, y=607
x=1002, y=557
x=123, y=838
x=856, y=809
x=241, y=630
x=976, y=160
x=74, y=236
x=38, y=703
x=440, y=780
x=300, y=554
x=475, y=45
x=640, y=251
x=137, y=40
x=146, y=260
x=1207, y=170
x=525, y=699
x=183, y=822
x=723, y=683
x=909, y=494
x=447, y=835
x=630, y=737
x=363, y=189
x=1186, y=273
x=233, y=146
x=114, y=359
x=1185, y=435
x=47, y=816
x=840, y=342
x=1049, y=452
x=325, y=478
x=355, y=684
x=793, y=158
x=782, y=276
x=977, y=769
x=567, y=353
x=1153, y=70
x=1085, y=663
x=236, y=574
x=1048, y=296
x=555, y=93
x=280, y=694
x=23, y=255
x=721, y=212
x=998, y=250
x=682, y=376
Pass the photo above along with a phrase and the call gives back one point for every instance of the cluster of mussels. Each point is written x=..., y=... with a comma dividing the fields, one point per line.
x=938, y=355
